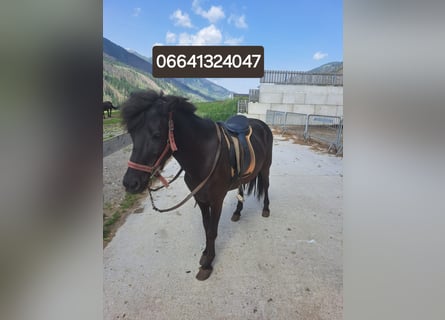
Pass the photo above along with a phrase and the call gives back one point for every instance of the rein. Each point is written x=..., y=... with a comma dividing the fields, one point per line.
x=155, y=169
x=169, y=182
x=200, y=186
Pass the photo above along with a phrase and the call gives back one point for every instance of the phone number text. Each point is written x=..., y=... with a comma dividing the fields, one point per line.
x=208, y=61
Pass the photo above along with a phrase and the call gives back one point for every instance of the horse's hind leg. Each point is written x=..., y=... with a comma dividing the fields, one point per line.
x=237, y=214
x=265, y=181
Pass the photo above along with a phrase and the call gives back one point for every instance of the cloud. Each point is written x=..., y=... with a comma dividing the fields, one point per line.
x=181, y=19
x=238, y=21
x=233, y=41
x=157, y=44
x=170, y=37
x=136, y=12
x=205, y=36
x=214, y=14
x=319, y=55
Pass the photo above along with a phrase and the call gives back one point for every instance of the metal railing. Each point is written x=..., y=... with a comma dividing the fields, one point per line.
x=325, y=129
x=242, y=106
x=299, y=77
x=254, y=95
x=276, y=118
x=295, y=122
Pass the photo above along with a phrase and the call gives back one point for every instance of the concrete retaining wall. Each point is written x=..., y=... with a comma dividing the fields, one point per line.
x=324, y=100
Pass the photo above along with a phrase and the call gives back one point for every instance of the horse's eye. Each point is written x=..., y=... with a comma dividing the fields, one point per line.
x=156, y=135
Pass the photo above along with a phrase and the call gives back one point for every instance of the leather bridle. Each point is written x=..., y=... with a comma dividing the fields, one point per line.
x=156, y=168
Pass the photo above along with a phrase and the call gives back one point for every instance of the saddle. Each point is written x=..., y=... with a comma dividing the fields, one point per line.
x=237, y=134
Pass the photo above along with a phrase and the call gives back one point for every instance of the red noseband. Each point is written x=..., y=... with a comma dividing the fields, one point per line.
x=171, y=145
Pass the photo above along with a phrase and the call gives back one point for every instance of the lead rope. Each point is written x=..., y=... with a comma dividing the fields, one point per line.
x=199, y=187
x=169, y=182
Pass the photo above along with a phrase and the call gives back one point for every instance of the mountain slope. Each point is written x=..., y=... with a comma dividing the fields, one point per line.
x=335, y=67
x=119, y=80
x=126, y=71
x=123, y=56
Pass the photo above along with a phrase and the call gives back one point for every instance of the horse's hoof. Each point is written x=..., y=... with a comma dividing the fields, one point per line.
x=266, y=213
x=204, y=274
x=235, y=217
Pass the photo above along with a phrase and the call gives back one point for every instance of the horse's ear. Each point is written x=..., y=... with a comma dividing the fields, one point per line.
x=161, y=94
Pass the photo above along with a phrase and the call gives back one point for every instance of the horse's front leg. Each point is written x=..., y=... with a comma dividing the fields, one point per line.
x=205, y=212
x=210, y=219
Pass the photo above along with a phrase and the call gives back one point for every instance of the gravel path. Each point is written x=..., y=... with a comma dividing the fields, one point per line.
x=114, y=167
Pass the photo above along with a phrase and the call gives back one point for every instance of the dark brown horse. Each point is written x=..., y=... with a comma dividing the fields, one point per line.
x=108, y=107
x=164, y=126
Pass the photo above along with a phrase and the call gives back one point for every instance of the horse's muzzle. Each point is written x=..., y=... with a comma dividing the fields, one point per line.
x=135, y=182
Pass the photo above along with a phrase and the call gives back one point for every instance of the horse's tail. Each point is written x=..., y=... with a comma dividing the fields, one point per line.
x=256, y=186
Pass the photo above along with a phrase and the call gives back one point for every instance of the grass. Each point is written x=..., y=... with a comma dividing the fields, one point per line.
x=112, y=126
x=217, y=110
x=113, y=121
x=127, y=203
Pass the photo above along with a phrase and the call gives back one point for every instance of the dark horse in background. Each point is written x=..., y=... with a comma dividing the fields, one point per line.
x=164, y=126
x=108, y=106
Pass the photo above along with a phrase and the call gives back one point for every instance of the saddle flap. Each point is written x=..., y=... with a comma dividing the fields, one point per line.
x=241, y=154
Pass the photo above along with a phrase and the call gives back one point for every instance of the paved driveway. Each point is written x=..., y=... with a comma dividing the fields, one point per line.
x=287, y=266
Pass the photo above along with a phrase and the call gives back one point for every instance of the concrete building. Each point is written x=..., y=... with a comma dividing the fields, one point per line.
x=297, y=92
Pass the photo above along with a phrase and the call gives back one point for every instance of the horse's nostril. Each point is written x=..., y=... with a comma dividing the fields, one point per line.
x=131, y=184
x=134, y=185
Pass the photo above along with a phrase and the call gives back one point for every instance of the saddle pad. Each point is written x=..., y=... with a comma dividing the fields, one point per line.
x=237, y=148
x=252, y=154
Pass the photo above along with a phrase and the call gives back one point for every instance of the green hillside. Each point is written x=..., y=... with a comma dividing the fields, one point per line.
x=125, y=71
x=335, y=67
x=119, y=80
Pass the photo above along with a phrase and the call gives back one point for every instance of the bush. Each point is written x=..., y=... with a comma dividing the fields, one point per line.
x=217, y=110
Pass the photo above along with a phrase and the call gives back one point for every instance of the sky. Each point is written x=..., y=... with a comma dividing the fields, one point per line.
x=296, y=35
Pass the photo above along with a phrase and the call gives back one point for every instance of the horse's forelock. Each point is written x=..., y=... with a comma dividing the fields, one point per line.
x=134, y=107
x=140, y=101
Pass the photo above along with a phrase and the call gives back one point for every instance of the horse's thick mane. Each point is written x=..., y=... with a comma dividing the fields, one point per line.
x=141, y=101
